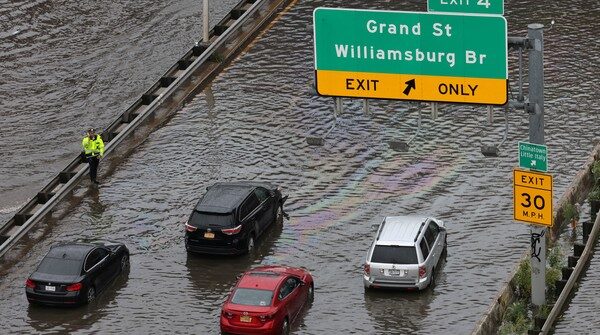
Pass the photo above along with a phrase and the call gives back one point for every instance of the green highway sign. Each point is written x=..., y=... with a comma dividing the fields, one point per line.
x=533, y=156
x=444, y=57
x=467, y=6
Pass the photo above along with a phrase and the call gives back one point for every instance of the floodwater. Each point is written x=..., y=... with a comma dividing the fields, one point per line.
x=252, y=125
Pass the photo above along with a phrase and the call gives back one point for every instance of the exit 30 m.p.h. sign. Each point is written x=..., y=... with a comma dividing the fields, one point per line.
x=411, y=56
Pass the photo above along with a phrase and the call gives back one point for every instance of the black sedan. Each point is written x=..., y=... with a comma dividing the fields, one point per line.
x=74, y=273
x=230, y=217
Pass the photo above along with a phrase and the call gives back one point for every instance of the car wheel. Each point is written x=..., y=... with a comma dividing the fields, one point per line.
x=445, y=250
x=250, y=246
x=432, y=280
x=311, y=292
x=124, y=263
x=91, y=294
x=279, y=216
x=285, y=327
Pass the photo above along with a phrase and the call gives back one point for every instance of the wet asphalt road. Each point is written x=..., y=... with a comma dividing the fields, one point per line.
x=255, y=130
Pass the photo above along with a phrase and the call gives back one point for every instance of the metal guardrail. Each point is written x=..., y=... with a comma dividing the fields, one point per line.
x=573, y=278
x=255, y=13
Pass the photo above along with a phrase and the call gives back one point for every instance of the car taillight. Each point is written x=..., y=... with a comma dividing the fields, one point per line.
x=266, y=317
x=422, y=272
x=190, y=228
x=227, y=314
x=74, y=287
x=367, y=269
x=29, y=283
x=232, y=231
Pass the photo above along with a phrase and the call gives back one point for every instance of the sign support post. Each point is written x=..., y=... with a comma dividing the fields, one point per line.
x=536, y=135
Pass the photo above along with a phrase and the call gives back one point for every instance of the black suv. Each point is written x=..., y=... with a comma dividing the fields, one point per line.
x=231, y=216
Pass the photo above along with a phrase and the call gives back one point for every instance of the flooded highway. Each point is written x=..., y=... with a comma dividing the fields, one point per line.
x=251, y=124
x=77, y=64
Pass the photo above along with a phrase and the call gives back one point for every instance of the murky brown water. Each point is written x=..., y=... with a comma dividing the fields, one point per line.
x=68, y=65
x=256, y=130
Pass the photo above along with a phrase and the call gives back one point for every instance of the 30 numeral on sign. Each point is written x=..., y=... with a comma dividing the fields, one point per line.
x=538, y=201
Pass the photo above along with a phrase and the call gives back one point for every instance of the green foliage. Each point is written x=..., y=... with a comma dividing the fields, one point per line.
x=544, y=311
x=556, y=257
x=552, y=275
x=516, y=319
x=217, y=58
x=523, y=280
x=594, y=194
x=570, y=212
x=596, y=171
x=516, y=311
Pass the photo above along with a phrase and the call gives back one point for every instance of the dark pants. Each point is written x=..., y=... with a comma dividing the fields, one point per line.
x=93, y=167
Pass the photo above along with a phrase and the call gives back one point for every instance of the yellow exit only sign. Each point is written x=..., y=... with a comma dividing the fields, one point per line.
x=533, y=197
x=411, y=87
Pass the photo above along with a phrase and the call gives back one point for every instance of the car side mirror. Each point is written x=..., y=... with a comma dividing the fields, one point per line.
x=374, y=226
x=302, y=283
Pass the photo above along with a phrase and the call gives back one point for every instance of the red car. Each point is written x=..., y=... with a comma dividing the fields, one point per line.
x=266, y=300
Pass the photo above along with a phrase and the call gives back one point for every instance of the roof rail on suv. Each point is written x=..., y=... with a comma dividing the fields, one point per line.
x=419, y=232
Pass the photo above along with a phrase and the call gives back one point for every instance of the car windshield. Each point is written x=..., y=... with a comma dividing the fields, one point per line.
x=60, y=266
x=202, y=219
x=394, y=254
x=252, y=297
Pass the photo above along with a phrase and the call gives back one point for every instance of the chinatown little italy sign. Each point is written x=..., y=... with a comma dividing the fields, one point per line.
x=437, y=57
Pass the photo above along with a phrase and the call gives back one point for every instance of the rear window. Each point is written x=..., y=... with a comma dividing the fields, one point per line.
x=60, y=266
x=201, y=219
x=252, y=297
x=394, y=254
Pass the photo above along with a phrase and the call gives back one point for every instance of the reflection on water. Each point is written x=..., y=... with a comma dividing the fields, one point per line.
x=252, y=125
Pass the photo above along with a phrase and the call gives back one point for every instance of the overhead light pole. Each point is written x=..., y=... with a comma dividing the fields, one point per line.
x=536, y=135
x=205, y=36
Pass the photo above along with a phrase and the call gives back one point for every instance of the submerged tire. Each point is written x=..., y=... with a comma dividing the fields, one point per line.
x=250, y=245
x=124, y=263
x=279, y=216
x=91, y=295
x=285, y=327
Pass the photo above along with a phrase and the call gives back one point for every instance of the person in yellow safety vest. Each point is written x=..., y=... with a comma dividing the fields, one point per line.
x=93, y=149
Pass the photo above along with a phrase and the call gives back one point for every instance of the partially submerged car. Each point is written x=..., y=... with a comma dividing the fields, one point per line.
x=267, y=300
x=405, y=253
x=230, y=217
x=74, y=273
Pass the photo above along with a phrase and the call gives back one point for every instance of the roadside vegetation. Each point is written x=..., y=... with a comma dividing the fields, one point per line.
x=518, y=318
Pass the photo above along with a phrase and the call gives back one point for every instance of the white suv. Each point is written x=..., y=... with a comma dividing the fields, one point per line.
x=405, y=253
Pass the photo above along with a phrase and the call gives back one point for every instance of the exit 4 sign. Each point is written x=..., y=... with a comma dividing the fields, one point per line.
x=467, y=6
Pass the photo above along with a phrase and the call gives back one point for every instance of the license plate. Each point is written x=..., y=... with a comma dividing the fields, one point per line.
x=245, y=318
x=209, y=235
x=395, y=272
x=51, y=288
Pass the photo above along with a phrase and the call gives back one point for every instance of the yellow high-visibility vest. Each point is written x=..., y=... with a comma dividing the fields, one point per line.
x=93, y=147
